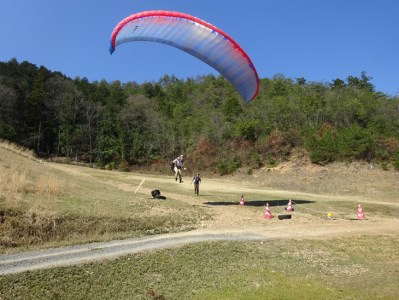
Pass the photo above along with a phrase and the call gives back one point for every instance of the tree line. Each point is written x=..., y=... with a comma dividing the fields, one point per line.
x=120, y=125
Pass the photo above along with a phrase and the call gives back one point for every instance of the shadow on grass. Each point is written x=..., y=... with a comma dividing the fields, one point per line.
x=259, y=203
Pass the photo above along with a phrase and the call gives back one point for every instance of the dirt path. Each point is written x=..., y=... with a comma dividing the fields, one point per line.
x=97, y=251
x=229, y=222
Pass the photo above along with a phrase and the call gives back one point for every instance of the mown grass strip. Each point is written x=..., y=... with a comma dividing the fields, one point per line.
x=350, y=268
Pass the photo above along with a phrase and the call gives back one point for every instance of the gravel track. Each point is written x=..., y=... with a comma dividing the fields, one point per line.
x=48, y=258
x=79, y=254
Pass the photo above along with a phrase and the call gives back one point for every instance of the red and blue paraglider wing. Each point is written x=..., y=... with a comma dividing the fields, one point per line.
x=196, y=37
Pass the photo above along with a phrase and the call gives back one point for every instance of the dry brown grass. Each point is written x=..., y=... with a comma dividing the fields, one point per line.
x=357, y=179
x=18, y=176
x=22, y=180
x=43, y=203
x=49, y=185
x=13, y=180
x=17, y=149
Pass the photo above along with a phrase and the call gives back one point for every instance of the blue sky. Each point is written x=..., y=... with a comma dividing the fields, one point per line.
x=319, y=40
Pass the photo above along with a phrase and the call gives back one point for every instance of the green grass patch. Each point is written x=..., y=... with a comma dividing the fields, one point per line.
x=348, y=268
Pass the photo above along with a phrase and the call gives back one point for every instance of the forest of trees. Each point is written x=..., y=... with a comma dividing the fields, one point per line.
x=120, y=125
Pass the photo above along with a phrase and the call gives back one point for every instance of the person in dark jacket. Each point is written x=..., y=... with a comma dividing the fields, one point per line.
x=196, y=181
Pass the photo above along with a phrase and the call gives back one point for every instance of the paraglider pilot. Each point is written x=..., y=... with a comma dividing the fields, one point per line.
x=178, y=164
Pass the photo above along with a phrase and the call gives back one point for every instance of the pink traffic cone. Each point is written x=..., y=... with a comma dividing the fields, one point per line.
x=360, y=214
x=289, y=207
x=242, y=200
x=268, y=214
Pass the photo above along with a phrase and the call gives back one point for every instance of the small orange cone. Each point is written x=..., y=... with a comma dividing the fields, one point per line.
x=360, y=214
x=242, y=200
x=289, y=207
x=268, y=214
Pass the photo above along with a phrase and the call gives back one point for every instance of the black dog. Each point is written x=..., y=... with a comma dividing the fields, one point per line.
x=156, y=194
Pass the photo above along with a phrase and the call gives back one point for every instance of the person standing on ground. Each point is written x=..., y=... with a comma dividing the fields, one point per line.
x=178, y=165
x=196, y=181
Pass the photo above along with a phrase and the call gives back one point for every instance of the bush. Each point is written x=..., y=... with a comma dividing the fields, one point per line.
x=110, y=166
x=323, y=149
x=204, y=154
x=384, y=166
x=228, y=167
x=271, y=162
x=396, y=164
x=328, y=145
x=355, y=143
x=123, y=166
x=387, y=148
x=280, y=144
x=255, y=160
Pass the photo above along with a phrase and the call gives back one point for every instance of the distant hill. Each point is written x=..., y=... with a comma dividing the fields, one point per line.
x=118, y=125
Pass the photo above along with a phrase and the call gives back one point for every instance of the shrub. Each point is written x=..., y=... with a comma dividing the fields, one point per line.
x=123, y=166
x=384, y=166
x=327, y=144
x=355, y=143
x=387, y=148
x=227, y=167
x=255, y=159
x=323, y=148
x=271, y=162
x=204, y=154
x=396, y=164
x=276, y=142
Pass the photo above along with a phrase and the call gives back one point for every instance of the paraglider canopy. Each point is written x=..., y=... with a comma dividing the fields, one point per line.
x=196, y=37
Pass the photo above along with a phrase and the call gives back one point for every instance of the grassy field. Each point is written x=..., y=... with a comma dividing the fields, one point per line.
x=355, y=268
x=46, y=205
x=42, y=206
